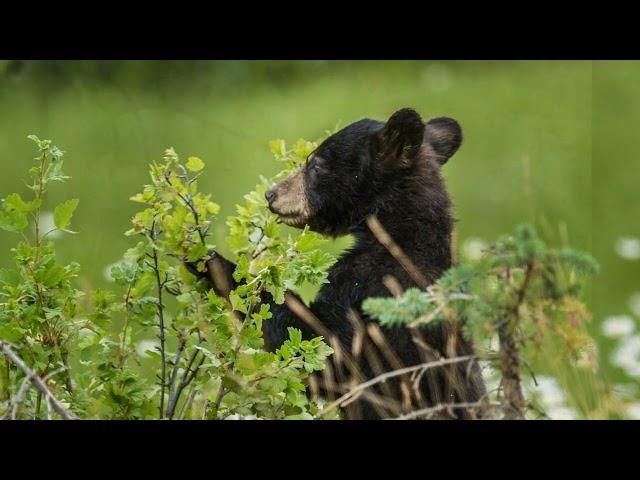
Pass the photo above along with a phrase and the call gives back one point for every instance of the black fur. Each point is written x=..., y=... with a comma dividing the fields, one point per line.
x=390, y=170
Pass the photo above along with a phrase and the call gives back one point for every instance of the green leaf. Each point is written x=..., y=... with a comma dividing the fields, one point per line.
x=237, y=303
x=10, y=332
x=14, y=217
x=185, y=298
x=100, y=319
x=399, y=311
x=63, y=213
x=295, y=336
x=277, y=147
x=13, y=221
x=194, y=164
x=53, y=276
x=124, y=273
x=14, y=202
x=299, y=416
x=197, y=252
x=307, y=240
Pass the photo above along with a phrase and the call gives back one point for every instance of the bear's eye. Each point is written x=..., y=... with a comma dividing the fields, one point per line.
x=316, y=164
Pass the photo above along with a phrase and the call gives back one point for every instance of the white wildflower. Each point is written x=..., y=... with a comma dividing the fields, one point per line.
x=236, y=416
x=627, y=355
x=628, y=248
x=618, y=326
x=562, y=413
x=47, y=224
x=551, y=395
x=633, y=411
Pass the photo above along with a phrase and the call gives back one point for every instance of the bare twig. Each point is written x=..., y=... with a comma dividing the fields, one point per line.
x=36, y=380
x=376, y=334
x=438, y=408
x=394, y=249
x=306, y=315
x=395, y=373
x=18, y=398
x=393, y=285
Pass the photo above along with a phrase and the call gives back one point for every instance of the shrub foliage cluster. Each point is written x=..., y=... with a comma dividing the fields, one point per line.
x=65, y=355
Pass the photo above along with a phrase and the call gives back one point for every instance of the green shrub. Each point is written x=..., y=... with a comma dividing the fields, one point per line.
x=210, y=361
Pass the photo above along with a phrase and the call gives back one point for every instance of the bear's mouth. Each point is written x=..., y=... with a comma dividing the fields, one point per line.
x=293, y=219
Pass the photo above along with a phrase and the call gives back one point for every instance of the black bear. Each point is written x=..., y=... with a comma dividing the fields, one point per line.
x=391, y=171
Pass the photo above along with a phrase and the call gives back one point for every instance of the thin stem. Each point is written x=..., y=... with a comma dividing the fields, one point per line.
x=5, y=380
x=438, y=408
x=188, y=375
x=36, y=414
x=47, y=233
x=39, y=195
x=122, y=355
x=188, y=402
x=174, y=373
x=67, y=379
x=187, y=378
x=222, y=391
x=188, y=201
x=160, y=306
x=18, y=399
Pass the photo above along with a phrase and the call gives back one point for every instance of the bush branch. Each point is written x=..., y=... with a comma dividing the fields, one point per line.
x=35, y=380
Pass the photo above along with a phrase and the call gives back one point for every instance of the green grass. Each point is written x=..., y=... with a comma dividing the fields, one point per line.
x=548, y=142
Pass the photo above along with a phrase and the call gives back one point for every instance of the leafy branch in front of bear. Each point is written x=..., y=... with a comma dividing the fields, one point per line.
x=208, y=346
x=519, y=292
x=269, y=262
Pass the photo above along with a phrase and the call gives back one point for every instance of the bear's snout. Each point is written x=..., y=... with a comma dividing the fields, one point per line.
x=289, y=201
x=270, y=195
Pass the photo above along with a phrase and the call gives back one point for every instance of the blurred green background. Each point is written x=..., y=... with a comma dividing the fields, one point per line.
x=551, y=142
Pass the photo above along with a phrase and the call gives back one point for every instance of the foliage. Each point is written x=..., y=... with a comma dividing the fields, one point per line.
x=211, y=358
x=38, y=302
x=519, y=292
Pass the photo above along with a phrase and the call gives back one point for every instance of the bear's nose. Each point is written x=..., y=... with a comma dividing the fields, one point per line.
x=270, y=195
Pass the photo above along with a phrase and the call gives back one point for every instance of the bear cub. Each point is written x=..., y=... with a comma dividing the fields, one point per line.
x=390, y=170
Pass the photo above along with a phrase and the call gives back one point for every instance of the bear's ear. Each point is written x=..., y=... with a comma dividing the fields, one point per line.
x=445, y=136
x=398, y=142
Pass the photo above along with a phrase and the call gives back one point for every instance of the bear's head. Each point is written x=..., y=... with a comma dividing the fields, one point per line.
x=365, y=168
